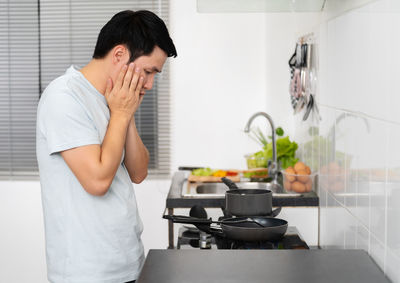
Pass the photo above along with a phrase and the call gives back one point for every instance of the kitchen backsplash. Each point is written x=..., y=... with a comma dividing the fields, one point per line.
x=356, y=145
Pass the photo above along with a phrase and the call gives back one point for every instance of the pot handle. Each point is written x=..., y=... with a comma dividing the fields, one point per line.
x=186, y=219
x=276, y=211
x=231, y=185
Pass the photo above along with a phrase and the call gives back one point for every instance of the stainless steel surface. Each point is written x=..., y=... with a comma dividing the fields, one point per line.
x=217, y=190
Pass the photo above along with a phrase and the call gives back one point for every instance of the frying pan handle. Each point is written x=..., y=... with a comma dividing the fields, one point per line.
x=186, y=219
x=215, y=231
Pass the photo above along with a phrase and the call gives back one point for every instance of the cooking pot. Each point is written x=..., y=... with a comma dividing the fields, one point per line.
x=248, y=202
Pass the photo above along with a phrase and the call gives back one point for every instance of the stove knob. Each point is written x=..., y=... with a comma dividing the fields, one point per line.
x=205, y=241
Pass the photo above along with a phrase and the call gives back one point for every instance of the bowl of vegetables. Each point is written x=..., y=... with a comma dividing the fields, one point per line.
x=255, y=161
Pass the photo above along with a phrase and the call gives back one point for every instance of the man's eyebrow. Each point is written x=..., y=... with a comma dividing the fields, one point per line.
x=157, y=70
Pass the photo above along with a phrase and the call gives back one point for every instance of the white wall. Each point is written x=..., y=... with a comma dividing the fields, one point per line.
x=229, y=66
x=359, y=101
x=217, y=82
x=22, y=253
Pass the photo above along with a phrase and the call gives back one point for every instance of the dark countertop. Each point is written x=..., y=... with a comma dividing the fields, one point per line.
x=176, y=200
x=260, y=266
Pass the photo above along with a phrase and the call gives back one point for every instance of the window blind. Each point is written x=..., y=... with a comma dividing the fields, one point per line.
x=68, y=33
x=19, y=86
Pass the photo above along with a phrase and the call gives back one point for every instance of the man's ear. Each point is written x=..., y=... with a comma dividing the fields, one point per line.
x=119, y=54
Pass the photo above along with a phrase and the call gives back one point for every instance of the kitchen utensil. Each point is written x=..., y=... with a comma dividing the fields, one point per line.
x=295, y=83
x=198, y=211
x=247, y=202
x=310, y=106
x=293, y=58
x=189, y=168
x=303, y=60
x=231, y=185
x=298, y=56
x=240, y=228
x=315, y=111
x=273, y=213
x=308, y=56
x=273, y=229
x=300, y=105
x=194, y=220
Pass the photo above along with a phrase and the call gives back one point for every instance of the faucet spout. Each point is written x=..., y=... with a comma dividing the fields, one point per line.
x=273, y=166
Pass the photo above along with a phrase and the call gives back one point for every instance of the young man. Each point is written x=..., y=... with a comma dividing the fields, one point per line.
x=89, y=153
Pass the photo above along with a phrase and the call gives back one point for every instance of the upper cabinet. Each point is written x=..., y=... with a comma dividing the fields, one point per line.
x=259, y=6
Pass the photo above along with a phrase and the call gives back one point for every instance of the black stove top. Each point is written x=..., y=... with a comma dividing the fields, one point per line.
x=190, y=237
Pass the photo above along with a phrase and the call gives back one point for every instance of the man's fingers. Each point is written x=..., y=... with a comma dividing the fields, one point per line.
x=141, y=96
x=128, y=76
x=121, y=76
x=135, y=80
x=139, y=86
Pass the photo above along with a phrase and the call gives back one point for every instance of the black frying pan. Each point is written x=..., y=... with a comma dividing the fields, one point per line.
x=274, y=229
x=254, y=228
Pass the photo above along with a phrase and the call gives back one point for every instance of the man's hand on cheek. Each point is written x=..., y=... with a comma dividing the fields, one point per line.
x=124, y=97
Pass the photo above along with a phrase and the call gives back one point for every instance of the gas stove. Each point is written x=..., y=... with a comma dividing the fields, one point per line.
x=191, y=237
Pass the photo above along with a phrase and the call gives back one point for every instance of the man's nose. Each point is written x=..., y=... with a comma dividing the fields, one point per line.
x=148, y=84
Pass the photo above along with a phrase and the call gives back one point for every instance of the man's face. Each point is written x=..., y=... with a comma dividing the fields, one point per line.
x=150, y=65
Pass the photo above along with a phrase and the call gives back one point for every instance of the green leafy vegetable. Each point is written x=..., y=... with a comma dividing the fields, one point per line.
x=279, y=131
x=259, y=137
x=203, y=172
x=285, y=149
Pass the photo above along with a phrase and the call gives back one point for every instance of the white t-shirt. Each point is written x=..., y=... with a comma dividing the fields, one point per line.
x=89, y=239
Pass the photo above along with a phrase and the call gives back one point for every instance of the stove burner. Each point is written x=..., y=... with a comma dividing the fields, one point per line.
x=291, y=240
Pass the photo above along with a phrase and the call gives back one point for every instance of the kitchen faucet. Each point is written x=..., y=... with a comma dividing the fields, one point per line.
x=272, y=165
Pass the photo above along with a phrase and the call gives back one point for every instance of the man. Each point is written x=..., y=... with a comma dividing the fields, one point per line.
x=89, y=153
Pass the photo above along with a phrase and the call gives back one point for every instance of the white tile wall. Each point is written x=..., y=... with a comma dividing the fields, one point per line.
x=393, y=191
x=359, y=135
x=362, y=238
x=392, y=266
x=377, y=251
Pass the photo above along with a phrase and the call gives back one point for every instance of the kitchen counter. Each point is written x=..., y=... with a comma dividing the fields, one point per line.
x=176, y=200
x=260, y=266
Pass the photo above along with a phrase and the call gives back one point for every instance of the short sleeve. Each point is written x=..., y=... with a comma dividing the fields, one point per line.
x=66, y=123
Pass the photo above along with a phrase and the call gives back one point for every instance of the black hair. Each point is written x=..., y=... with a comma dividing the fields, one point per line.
x=140, y=31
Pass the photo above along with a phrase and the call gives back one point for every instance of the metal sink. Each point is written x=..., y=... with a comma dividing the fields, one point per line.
x=217, y=190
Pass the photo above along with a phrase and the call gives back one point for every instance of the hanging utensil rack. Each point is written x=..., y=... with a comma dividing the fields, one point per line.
x=303, y=77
